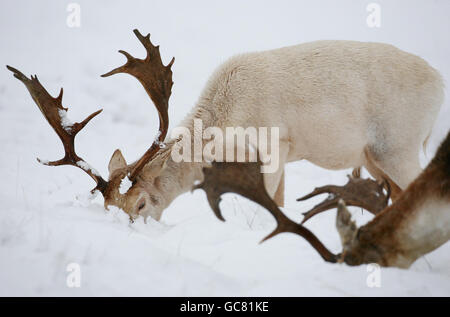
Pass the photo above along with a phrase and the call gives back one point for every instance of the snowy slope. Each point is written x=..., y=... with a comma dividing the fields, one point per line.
x=46, y=217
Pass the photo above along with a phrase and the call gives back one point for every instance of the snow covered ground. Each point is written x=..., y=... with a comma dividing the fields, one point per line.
x=46, y=218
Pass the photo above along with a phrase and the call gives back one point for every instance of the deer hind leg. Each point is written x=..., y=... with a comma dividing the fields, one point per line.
x=399, y=169
x=378, y=174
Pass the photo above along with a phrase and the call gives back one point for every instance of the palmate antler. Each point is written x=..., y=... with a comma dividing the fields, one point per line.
x=358, y=192
x=157, y=81
x=55, y=114
x=246, y=179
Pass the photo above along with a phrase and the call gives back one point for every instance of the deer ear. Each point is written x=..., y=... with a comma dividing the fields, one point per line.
x=117, y=161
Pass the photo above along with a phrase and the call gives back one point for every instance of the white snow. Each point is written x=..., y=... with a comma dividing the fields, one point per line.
x=125, y=185
x=44, y=227
x=87, y=167
x=65, y=121
x=161, y=144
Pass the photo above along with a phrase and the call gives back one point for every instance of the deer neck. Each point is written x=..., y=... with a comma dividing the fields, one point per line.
x=183, y=175
x=186, y=173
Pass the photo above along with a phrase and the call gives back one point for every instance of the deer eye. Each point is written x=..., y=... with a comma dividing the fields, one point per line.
x=141, y=205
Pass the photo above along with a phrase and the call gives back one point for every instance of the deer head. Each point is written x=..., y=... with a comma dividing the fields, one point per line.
x=143, y=197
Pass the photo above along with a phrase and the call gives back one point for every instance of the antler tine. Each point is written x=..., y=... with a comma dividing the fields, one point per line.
x=157, y=82
x=246, y=179
x=318, y=191
x=364, y=193
x=55, y=113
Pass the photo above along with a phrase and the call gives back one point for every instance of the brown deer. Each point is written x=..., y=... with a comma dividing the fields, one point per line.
x=417, y=223
x=385, y=101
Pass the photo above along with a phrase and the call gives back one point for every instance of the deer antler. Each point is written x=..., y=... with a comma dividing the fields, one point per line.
x=157, y=81
x=364, y=193
x=55, y=114
x=245, y=179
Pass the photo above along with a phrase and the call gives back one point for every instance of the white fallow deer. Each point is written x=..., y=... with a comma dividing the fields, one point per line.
x=338, y=104
x=417, y=223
